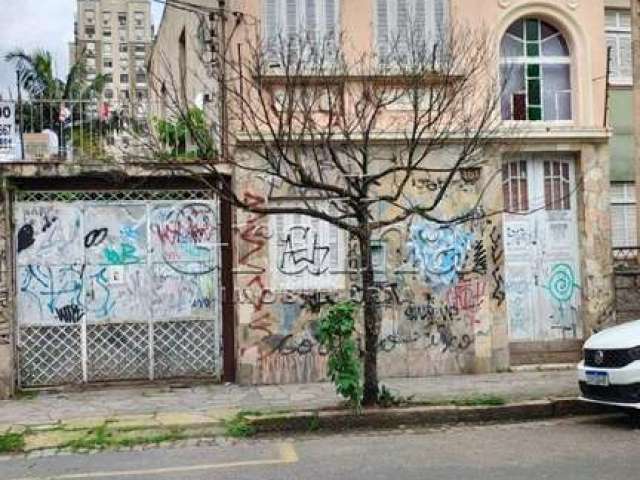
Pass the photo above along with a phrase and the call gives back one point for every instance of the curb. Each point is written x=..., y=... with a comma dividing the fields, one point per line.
x=48, y=439
x=389, y=418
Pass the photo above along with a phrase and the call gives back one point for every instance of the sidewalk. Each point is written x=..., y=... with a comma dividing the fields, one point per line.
x=217, y=401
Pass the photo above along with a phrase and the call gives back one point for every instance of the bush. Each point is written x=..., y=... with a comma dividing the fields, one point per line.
x=175, y=134
x=335, y=333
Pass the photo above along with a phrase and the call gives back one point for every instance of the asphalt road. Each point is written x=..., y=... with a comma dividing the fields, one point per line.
x=586, y=448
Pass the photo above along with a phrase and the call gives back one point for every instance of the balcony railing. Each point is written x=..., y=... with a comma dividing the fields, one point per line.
x=93, y=132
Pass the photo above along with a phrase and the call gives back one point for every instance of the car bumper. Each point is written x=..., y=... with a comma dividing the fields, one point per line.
x=623, y=389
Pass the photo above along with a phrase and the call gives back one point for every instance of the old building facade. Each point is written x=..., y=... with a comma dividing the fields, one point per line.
x=525, y=284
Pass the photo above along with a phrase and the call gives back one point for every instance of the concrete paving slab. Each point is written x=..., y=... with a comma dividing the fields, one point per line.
x=49, y=407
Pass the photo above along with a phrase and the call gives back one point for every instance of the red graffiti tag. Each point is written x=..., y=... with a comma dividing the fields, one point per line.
x=255, y=235
x=467, y=296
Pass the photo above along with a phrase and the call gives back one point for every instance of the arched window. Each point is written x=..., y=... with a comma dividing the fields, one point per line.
x=536, y=72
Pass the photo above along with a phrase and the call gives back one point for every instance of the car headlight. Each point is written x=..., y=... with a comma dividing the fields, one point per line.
x=634, y=353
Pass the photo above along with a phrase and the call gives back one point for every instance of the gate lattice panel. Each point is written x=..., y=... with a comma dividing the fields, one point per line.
x=117, y=285
x=117, y=351
x=50, y=355
x=184, y=348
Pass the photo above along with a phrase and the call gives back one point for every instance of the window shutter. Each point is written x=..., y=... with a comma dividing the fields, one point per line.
x=625, y=65
x=439, y=20
x=402, y=21
x=612, y=43
x=420, y=19
x=623, y=215
x=271, y=23
x=311, y=20
x=292, y=20
x=383, y=28
x=330, y=18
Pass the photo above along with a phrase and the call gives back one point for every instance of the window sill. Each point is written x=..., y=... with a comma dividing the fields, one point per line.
x=620, y=83
x=276, y=76
x=540, y=124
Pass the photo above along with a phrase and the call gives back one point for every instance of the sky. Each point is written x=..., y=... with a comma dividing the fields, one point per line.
x=48, y=24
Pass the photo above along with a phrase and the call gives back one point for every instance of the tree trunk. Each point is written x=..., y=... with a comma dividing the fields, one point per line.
x=371, y=322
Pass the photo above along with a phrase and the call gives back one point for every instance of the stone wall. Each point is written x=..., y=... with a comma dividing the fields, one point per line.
x=440, y=288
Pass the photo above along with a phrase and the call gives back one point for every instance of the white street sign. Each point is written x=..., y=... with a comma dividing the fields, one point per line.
x=8, y=135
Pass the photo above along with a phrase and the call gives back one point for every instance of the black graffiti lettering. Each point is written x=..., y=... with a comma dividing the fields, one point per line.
x=297, y=258
x=25, y=237
x=289, y=345
x=95, y=237
x=70, y=314
x=497, y=252
x=48, y=222
x=479, y=258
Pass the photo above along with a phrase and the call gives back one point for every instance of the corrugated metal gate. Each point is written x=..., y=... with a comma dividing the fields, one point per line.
x=117, y=285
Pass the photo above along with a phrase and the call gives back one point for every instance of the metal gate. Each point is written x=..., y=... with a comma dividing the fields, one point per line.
x=117, y=285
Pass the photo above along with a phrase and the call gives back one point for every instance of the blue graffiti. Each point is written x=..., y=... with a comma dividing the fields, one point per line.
x=438, y=251
x=56, y=286
x=52, y=289
x=129, y=233
x=101, y=302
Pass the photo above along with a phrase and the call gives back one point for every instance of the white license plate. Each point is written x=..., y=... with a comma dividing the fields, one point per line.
x=598, y=378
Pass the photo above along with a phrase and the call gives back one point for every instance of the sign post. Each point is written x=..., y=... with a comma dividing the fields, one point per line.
x=7, y=131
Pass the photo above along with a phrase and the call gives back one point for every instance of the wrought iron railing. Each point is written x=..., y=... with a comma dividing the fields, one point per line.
x=96, y=131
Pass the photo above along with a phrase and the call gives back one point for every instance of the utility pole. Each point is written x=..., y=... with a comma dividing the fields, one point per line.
x=635, y=38
x=219, y=63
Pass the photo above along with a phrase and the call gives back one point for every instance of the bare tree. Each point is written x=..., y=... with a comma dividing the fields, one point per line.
x=341, y=134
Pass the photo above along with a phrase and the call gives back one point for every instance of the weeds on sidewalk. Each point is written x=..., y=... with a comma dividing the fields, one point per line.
x=239, y=427
x=11, y=442
x=26, y=394
x=101, y=437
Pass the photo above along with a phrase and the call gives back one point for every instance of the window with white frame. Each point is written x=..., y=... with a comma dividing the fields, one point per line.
x=291, y=22
x=536, y=72
x=405, y=25
x=623, y=215
x=618, y=30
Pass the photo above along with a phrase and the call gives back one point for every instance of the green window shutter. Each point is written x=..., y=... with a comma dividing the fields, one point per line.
x=534, y=113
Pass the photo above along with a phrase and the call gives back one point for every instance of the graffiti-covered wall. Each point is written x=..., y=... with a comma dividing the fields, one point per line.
x=440, y=287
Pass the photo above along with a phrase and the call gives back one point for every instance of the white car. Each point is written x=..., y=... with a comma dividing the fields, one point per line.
x=610, y=371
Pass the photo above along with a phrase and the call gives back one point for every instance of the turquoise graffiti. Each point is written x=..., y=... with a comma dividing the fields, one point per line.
x=562, y=284
x=124, y=256
x=439, y=251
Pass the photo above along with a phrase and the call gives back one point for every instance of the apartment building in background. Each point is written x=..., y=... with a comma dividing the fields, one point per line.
x=115, y=36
